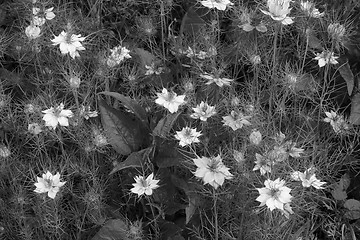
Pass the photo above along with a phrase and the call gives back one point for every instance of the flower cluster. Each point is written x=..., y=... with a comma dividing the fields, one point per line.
x=38, y=19
x=118, y=55
x=337, y=122
x=307, y=178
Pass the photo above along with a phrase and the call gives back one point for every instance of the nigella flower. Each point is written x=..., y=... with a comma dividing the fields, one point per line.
x=87, y=113
x=218, y=4
x=212, y=171
x=278, y=10
x=49, y=183
x=32, y=31
x=187, y=136
x=326, y=57
x=170, y=100
x=274, y=195
x=307, y=178
x=118, y=55
x=69, y=43
x=309, y=9
x=337, y=122
x=263, y=164
x=55, y=116
x=144, y=186
x=217, y=80
x=203, y=111
x=236, y=120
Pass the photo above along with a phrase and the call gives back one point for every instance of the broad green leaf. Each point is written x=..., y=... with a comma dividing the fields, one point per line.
x=355, y=109
x=339, y=190
x=146, y=58
x=168, y=156
x=313, y=41
x=131, y=104
x=168, y=230
x=114, y=229
x=135, y=159
x=354, y=209
x=191, y=23
x=348, y=76
x=165, y=125
x=352, y=204
x=193, y=198
x=121, y=128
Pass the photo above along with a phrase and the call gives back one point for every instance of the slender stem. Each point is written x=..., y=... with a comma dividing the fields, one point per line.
x=215, y=215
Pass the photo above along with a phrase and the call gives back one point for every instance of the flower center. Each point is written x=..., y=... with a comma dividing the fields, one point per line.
x=144, y=183
x=213, y=165
x=275, y=193
x=48, y=183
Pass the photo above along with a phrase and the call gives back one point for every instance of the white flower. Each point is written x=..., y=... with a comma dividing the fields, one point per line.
x=238, y=156
x=203, y=111
x=274, y=195
x=49, y=183
x=287, y=210
x=118, y=54
x=262, y=164
x=212, y=171
x=34, y=128
x=218, y=81
x=255, y=137
x=310, y=10
x=4, y=151
x=99, y=138
x=35, y=10
x=144, y=186
x=170, y=100
x=218, y=4
x=69, y=43
x=74, y=82
x=337, y=122
x=187, y=136
x=326, y=57
x=55, y=116
x=255, y=59
x=236, y=120
x=278, y=10
x=49, y=15
x=307, y=179
x=32, y=31
x=85, y=111
x=294, y=151
x=38, y=21
x=152, y=69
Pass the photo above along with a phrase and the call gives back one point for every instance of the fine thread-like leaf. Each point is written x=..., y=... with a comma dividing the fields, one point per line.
x=121, y=131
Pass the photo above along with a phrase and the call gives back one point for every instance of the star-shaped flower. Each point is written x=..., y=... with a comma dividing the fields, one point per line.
x=144, y=186
x=212, y=171
x=49, y=183
x=55, y=116
x=187, y=136
x=170, y=100
x=69, y=43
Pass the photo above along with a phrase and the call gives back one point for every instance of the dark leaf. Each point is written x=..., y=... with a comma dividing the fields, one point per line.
x=348, y=76
x=191, y=23
x=355, y=110
x=135, y=159
x=121, y=128
x=165, y=125
x=114, y=229
x=131, y=104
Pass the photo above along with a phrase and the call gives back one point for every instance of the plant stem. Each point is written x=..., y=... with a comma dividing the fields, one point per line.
x=215, y=215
